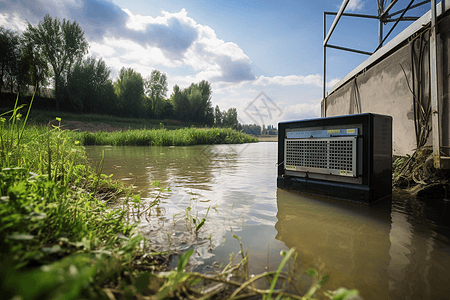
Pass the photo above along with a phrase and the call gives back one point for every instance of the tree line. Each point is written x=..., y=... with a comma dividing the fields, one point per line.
x=54, y=53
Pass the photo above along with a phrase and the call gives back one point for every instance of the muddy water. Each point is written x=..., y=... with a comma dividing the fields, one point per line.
x=398, y=249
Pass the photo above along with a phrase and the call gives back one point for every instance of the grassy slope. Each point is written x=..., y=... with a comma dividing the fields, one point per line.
x=43, y=117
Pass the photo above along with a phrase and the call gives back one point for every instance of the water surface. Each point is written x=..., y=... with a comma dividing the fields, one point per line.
x=397, y=249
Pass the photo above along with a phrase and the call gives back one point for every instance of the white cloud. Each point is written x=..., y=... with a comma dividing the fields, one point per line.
x=289, y=80
x=138, y=22
x=169, y=39
x=211, y=58
x=14, y=21
x=355, y=5
x=218, y=60
x=332, y=82
x=280, y=110
x=101, y=49
x=302, y=111
x=119, y=52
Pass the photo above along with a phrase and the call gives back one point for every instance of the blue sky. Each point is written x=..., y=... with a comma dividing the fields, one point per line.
x=242, y=48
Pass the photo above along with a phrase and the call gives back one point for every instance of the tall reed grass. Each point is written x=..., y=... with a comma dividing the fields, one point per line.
x=164, y=137
x=48, y=211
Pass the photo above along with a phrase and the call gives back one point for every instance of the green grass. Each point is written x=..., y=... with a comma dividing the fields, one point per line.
x=51, y=215
x=163, y=137
x=43, y=117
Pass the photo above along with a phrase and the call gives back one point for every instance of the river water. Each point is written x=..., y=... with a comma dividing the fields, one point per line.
x=397, y=249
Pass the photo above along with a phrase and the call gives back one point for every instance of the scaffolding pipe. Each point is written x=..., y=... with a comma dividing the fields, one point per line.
x=434, y=90
x=413, y=6
x=386, y=11
x=349, y=49
x=380, y=33
x=380, y=25
x=403, y=19
x=336, y=20
x=351, y=15
x=324, y=66
x=396, y=22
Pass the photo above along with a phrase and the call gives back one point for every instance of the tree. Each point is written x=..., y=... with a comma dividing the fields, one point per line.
x=208, y=110
x=61, y=44
x=9, y=43
x=194, y=95
x=88, y=86
x=129, y=89
x=251, y=129
x=165, y=109
x=199, y=96
x=193, y=103
x=111, y=99
x=156, y=90
x=33, y=67
x=20, y=66
x=218, y=118
x=230, y=118
x=180, y=103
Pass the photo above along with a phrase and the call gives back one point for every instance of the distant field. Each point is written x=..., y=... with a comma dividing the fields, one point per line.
x=272, y=138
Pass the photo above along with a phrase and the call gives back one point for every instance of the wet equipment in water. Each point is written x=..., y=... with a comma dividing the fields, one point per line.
x=347, y=157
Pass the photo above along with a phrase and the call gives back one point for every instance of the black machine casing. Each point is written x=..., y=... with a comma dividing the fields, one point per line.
x=346, y=157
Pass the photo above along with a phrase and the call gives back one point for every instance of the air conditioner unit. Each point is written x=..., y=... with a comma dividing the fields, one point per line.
x=347, y=157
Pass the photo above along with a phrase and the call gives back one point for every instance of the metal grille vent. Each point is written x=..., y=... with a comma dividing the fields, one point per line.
x=335, y=156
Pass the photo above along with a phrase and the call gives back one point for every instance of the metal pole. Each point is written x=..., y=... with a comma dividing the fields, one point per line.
x=349, y=49
x=396, y=22
x=384, y=12
x=336, y=20
x=413, y=6
x=352, y=15
x=324, y=66
x=380, y=24
x=434, y=90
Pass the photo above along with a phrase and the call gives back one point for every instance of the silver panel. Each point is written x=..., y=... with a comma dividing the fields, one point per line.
x=335, y=156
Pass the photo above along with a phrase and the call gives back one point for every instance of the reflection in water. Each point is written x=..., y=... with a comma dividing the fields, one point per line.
x=420, y=252
x=397, y=250
x=401, y=253
x=352, y=240
x=189, y=167
x=202, y=177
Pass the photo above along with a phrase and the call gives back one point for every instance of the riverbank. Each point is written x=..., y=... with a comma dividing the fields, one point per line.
x=163, y=137
x=96, y=122
x=61, y=237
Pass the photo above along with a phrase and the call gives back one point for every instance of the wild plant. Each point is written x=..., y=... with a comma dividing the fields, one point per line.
x=11, y=137
x=48, y=208
x=164, y=137
x=201, y=223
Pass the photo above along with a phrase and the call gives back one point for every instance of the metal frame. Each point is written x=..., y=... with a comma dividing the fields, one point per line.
x=385, y=17
x=382, y=17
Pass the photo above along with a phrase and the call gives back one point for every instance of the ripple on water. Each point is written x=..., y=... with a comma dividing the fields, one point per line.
x=393, y=250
